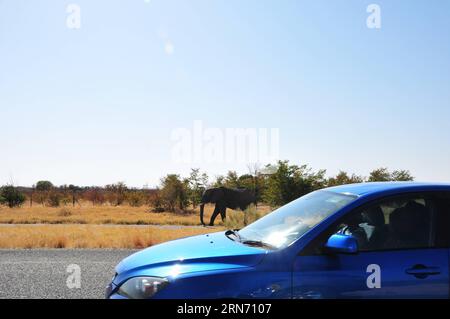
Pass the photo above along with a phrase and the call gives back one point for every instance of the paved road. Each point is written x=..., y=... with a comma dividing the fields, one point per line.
x=42, y=273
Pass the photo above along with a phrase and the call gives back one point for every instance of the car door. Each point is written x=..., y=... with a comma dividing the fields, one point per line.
x=443, y=223
x=398, y=255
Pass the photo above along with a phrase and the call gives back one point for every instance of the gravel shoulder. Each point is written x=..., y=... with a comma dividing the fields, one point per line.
x=43, y=273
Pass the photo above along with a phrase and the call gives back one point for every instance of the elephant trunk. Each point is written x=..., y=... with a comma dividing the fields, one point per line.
x=202, y=206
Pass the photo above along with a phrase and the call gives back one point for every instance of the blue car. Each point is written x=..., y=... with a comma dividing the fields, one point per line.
x=369, y=240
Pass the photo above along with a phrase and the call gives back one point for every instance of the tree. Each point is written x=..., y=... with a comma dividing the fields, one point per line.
x=197, y=184
x=28, y=192
x=401, y=175
x=116, y=193
x=232, y=180
x=135, y=197
x=44, y=186
x=254, y=180
x=246, y=181
x=74, y=190
x=343, y=178
x=383, y=175
x=204, y=179
x=54, y=198
x=43, y=190
x=380, y=175
x=220, y=181
x=156, y=201
x=174, y=193
x=95, y=195
x=289, y=182
x=11, y=196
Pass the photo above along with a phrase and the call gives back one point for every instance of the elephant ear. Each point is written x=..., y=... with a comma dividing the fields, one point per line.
x=217, y=195
x=205, y=195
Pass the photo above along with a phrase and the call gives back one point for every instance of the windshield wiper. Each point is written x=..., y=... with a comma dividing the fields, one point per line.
x=235, y=233
x=258, y=243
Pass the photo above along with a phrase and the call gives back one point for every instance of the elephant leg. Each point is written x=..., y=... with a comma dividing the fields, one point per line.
x=202, y=207
x=214, y=214
x=223, y=213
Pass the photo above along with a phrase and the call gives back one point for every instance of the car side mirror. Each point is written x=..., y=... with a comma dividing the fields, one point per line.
x=344, y=244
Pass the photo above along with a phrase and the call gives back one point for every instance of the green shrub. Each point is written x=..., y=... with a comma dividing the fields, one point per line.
x=174, y=195
x=156, y=202
x=11, y=196
x=135, y=198
x=54, y=199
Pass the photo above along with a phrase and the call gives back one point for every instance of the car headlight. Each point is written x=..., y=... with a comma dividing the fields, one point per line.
x=142, y=287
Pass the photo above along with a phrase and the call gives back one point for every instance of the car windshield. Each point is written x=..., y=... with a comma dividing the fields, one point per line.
x=289, y=222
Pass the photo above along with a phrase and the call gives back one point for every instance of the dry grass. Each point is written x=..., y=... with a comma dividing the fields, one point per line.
x=91, y=236
x=239, y=219
x=120, y=215
x=89, y=226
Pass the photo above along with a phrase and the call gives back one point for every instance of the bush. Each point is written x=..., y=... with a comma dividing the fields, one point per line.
x=116, y=193
x=343, y=178
x=54, y=199
x=239, y=219
x=174, y=193
x=384, y=175
x=65, y=212
x=95, y=195
x=135, y=198
x=11, y=196
x=289, y=182
x=156, y=202
x=44, y=186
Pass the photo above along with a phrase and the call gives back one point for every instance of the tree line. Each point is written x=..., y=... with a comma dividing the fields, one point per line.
x=274, y=185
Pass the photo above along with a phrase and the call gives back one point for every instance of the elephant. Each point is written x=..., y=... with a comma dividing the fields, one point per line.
x=224, y=198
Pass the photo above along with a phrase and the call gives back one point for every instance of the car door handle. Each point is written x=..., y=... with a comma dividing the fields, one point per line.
x=422, y=271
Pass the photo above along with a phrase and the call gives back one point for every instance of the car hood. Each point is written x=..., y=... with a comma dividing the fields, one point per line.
x=192, y=254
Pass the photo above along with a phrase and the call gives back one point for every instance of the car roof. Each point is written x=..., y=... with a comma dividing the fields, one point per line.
x=370, y=188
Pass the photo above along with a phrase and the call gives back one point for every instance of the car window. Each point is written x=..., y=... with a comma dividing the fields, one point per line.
x=392, y=224
x=399, y=223
x=443, y=221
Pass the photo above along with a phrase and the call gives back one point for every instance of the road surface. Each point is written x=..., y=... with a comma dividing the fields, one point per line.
x=43, y=273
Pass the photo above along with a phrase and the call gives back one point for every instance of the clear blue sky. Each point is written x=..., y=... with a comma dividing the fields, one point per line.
x=98, y=104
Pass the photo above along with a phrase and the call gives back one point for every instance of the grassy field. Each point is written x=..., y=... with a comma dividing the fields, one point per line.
x=120, y=215
x=88, y=226
x=117, y=215
x=91, y=236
